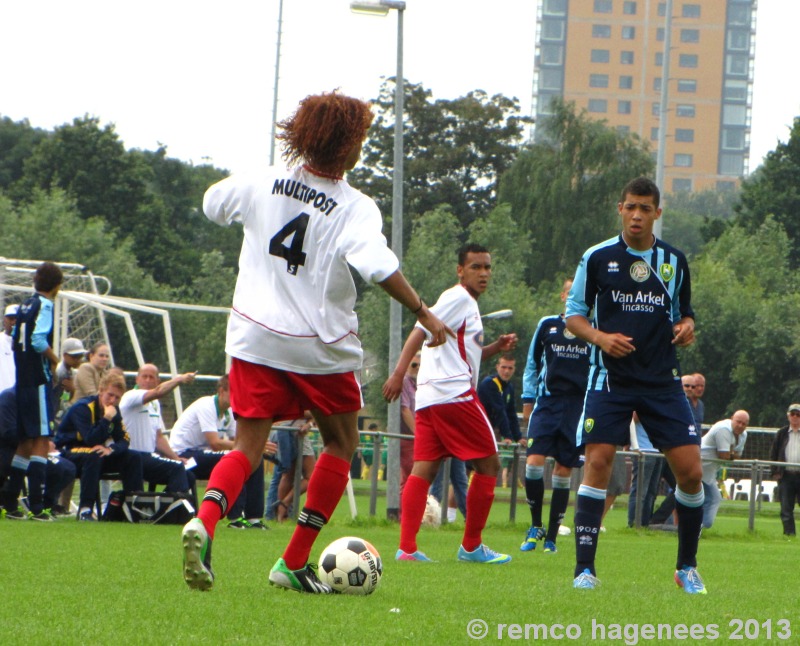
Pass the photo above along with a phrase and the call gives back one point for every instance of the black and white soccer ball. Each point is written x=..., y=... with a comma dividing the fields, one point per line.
x=351, y=565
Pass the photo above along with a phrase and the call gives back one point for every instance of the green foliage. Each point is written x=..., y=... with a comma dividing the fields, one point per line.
x=17, y=141
x=454, y=150
x=746, y=299
x=564, y=188
x=775, y=189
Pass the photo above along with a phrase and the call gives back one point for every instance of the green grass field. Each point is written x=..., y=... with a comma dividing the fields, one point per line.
x=108, y=583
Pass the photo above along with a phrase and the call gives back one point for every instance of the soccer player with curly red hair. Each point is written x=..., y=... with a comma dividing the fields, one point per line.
x=292, y=333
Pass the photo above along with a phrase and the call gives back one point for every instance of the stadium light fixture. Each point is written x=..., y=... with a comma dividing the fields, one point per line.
x=377, y=8
x=499, y=314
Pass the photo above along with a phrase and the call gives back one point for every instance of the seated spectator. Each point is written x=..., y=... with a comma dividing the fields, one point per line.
x=205, y=432
x=89, y=374
x=141, y=412
x=58, y=472
x=93, y=437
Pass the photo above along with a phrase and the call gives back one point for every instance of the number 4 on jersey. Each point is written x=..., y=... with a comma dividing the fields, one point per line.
x=293, y=254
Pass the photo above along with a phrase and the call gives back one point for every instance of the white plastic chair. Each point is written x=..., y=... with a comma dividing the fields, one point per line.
x=769, y=489
x=741, y=490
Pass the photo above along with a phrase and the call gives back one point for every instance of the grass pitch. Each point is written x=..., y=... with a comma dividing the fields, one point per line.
x=108, y=583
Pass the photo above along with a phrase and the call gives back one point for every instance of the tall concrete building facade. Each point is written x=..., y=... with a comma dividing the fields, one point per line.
x=607, y=56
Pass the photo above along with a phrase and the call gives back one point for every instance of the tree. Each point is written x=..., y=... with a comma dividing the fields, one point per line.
x=774, y=189
x=17, y=141
x=454, y=150
x=564, y=188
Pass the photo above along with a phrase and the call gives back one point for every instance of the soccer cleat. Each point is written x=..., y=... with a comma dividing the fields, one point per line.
x=550, y=547
x=412, y=556
x=256, y=524
x=197, y=570
x=482, y=554
x=17, y=514
x=58, y=511
x=303, y=580
x=239, y=523
x=43, y=516
x=86, y=515
x=690, y=580
x=534, y=535
x=586, y=581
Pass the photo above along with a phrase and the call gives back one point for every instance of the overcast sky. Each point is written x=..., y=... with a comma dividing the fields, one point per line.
x=198, y=76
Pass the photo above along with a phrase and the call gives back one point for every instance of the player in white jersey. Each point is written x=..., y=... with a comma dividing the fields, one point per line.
x=293, y=334
x=450, y=420
x=141, y=413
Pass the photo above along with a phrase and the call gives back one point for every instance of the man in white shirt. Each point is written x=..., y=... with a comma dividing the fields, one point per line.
x=449, y=418
x=724, y=441
x=8, y=372
x=141, y=412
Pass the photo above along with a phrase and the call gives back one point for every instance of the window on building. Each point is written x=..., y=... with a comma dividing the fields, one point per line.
x=555, y=8
x=601, y=31
x=683, y=160
x=687, y=60
x=660, y=34
x=659, y=59
x=553, y=29
x=623, y=107
x=681, y=184
x=629, y=8
x=685, y=110
x=731, y=164
x=662, y=9
x=653, y=134
x=657, y=84
x=724, y=187
x=626, y=58
x=736, y=64
x=624, y=130
x=734, y=90
x=690, y=11
x=655, y=110
x=738, y=40
x=738, y=15
x=552, y=54
x=625, y=82
x=598, y=105
x=733, y=139
x=687, y=85
x=684, y=134
x=602, y=6
x=550, y=79
x=598, y=80
x=600, y=56
x=734, y=115
x=690, y=35
x=628, y=33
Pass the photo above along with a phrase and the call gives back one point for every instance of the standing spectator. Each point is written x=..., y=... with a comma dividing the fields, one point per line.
x=553, y=388
x=87, y=379
x=786, y=448
x=205, y=432
x=691, y=389
x=449, y=417
x=141, y=412
x=93, y=437
x=35, y=362
x=496, y=393
x=408, y=405
x=8, y=373
x=638, y=291
x=287, y=456
x=292, y=333
x=647, y=477
x=725, y=440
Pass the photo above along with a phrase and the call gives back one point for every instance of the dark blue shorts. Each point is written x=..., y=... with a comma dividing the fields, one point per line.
x=666, y=416
x=553, y=427
x=34, y=411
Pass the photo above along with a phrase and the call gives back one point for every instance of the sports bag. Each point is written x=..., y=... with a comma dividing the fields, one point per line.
x=149, y=507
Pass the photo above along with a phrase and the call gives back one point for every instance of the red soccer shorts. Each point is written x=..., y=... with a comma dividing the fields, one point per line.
x=262, y=392
x=459, y=429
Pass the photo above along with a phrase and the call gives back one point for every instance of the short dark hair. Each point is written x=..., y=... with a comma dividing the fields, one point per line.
x=470, y=247
x=223, y=383
x=506, y=356
x=642, y=186
x=48, y=276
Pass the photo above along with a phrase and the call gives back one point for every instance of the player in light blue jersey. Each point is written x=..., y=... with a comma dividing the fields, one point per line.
x=631, y=299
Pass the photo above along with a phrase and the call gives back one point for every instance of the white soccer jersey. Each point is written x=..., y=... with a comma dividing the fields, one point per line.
x=294, y=297
x=451, y=369
x=142, y=420
x=202, y=416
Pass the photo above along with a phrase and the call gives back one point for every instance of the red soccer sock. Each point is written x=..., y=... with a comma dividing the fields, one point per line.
x=480, y=496
x=227, y=480
x=415, y=497
x=325, y=489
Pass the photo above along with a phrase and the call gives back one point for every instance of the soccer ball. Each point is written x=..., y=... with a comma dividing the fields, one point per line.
x=351, y=565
